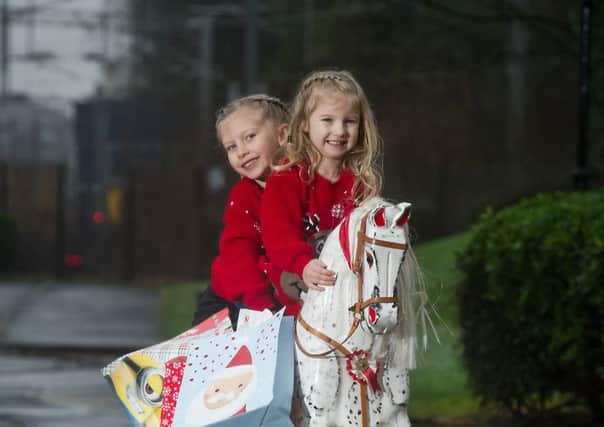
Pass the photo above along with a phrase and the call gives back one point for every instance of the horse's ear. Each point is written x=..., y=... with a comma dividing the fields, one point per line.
x=379, y=217
x=404, y=216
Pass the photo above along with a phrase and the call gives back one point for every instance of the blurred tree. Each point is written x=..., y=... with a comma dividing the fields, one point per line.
x=381, y=40
x=163, y=54
x=378, y=41
x=190, y=54
x=458, y=87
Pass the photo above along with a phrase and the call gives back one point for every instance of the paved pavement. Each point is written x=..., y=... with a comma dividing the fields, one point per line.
x=54, y=340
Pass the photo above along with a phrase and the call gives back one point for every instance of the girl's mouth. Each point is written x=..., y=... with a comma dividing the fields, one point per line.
x=249, y=163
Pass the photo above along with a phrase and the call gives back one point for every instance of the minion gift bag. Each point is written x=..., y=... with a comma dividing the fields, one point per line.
x=211, y=375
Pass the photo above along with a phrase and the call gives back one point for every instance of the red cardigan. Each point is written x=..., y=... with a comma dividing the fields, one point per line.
x=294, y=209
x=241, y=271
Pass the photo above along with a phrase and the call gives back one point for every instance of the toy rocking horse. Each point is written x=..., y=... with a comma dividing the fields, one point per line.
x=355, y=342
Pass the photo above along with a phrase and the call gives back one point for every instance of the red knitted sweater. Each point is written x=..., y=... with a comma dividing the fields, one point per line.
x=241, y=271
x=294, y=209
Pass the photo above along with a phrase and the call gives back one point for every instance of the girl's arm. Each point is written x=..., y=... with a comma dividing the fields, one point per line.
x=287, y=286
x=281, y=217
x=236, y=272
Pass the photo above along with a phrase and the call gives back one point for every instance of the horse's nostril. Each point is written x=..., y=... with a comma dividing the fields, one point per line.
x=372, y=315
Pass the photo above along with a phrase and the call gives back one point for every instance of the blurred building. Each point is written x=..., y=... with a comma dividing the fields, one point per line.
x=141, y=207
x=113, y=134
x=31, y=133
x=38, y=163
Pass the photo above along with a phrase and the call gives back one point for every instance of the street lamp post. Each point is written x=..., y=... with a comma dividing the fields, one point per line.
x=582, y=174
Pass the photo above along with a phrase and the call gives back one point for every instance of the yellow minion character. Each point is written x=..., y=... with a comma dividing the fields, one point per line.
x=138, y=382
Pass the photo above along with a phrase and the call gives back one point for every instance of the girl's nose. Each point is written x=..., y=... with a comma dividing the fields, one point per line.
x=241, y=150
x=339, y=128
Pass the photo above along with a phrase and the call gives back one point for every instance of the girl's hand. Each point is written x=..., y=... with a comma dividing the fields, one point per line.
x=316, y=275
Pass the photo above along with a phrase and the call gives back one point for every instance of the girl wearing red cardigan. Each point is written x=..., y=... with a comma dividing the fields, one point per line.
x=249, y=129
x=328, y=167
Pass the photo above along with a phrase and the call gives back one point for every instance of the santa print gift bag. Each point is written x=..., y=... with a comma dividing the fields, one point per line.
x=239, y=378
x=138, y=378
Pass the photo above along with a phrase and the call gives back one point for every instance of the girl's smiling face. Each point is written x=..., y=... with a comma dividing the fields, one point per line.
x=333, y=125
x=250, y=141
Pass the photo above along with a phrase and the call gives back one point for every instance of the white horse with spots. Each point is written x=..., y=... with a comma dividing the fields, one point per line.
x=355, y=342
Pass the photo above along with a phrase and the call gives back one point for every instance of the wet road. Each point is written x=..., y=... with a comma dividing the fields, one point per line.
x=55, y=339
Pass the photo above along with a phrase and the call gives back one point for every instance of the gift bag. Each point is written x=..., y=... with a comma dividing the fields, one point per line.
x=243, y=378
x=138, y=378
x=217, y=377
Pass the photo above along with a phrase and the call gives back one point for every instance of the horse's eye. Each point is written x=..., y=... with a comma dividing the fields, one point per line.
x=376, y=292
x=369, y=260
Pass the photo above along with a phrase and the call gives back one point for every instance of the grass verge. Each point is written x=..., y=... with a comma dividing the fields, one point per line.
x=178, y=303
x=439, y=386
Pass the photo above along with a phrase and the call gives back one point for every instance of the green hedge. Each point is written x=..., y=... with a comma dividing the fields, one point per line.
x=532, y=303
x=8, y=243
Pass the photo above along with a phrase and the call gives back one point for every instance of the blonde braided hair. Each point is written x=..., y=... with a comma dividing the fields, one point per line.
x=362, y=160
x=272, y=109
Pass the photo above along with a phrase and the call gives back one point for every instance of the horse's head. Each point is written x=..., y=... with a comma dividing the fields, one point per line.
x=379, y=290
x=381, y=245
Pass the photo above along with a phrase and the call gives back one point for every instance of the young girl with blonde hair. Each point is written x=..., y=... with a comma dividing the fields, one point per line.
x=328, y=167
x=249, y=130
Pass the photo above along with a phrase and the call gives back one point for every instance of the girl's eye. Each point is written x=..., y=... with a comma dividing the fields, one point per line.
x=350, y=121
x=326, y=120
x=229, y=147
x=250, y=136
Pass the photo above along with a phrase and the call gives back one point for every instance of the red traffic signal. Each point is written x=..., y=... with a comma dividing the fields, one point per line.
x=98, y=217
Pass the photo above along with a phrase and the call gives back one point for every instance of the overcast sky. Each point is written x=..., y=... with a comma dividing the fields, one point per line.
x=68, y=30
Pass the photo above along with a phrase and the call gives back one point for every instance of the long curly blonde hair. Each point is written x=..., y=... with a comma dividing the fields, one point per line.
x=363, y=159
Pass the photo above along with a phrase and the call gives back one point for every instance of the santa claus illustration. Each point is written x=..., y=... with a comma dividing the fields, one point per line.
x=226, y=394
